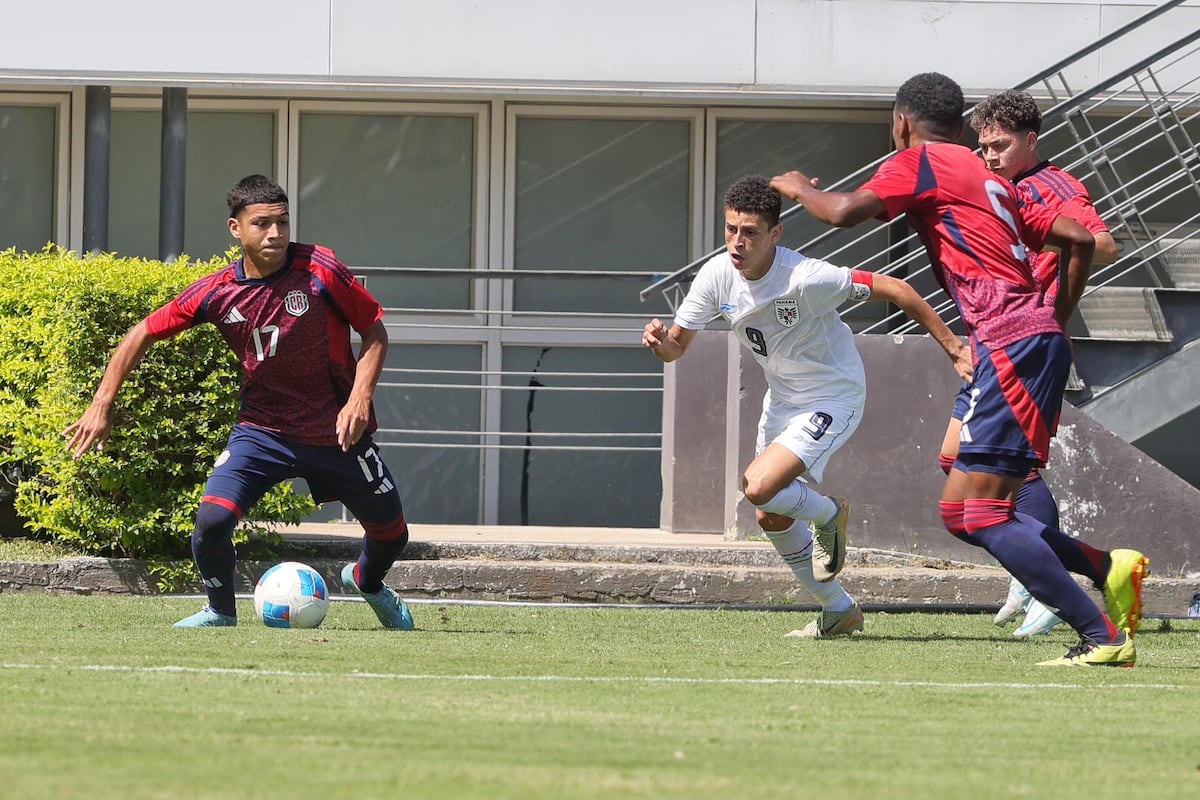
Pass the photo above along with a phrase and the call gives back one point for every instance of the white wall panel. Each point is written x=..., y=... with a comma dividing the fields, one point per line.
x=216, y=36
x=654, y=41
x=803, y=46
x=982, y=45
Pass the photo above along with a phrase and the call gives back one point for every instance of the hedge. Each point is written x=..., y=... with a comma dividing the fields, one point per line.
x=61, y=316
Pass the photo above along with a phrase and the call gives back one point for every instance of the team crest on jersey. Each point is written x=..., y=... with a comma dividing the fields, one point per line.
x=787, y=311
x=296, y=303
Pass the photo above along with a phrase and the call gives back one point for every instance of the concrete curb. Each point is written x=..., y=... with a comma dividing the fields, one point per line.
x=622, y=575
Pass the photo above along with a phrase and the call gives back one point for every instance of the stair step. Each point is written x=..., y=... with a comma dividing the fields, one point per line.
x=1182, y=263
x=1128, y=313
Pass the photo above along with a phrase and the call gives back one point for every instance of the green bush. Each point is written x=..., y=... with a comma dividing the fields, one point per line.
x=61, y=316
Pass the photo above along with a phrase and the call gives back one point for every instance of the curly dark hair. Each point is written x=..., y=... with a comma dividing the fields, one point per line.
x=252, y=190
x=1012, y=110
x=933, y=100
x=753, y=194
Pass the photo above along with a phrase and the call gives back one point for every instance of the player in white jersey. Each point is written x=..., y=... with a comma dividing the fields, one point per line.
x=783, y=307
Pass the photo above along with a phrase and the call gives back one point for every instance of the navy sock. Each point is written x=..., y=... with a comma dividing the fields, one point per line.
x=1035, y=500
x=381, y=546
x=1017, y=543
x=212, y=548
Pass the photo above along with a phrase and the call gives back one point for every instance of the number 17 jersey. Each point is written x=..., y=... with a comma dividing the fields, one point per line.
x=291, y=334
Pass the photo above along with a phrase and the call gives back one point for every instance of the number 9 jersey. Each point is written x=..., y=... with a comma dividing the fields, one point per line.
x=291, y=334
x=788, y=320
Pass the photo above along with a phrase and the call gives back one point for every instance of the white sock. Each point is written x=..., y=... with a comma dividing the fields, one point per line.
x=794, y=545
x=797, y=501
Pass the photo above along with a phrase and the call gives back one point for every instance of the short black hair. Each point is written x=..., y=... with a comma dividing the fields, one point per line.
x=753, y=194
x=252, y=190
x=1012, y=110
x=933, y=100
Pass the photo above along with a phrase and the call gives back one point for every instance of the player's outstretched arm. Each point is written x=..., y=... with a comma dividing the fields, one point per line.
x=94, y=426
x=839, y=209
x=667, y=344
x=894, y=290
x=355, y=415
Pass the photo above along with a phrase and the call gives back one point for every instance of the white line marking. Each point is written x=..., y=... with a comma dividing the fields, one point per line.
x=648, y=679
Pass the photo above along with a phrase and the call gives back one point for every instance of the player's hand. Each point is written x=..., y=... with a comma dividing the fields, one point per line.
x=352, y=423
x=964, y=365
x=793, y=184
x=90, y=429
x=654, y=334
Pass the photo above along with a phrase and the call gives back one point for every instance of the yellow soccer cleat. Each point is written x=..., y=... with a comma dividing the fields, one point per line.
x=1123, y=588
x=1089, y=654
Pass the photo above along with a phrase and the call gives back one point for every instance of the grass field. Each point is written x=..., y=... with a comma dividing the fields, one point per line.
x=103, y=699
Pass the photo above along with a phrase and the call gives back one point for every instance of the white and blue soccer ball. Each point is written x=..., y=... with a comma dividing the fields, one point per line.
x=291, y=595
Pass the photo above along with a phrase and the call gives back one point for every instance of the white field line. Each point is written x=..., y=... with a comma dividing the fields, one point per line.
x=646, y=679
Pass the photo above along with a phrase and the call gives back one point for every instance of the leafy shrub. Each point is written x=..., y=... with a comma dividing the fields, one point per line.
x=61, y=316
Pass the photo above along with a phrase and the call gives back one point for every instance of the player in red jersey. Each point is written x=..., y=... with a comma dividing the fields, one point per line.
x=972, y=227
x=286, y=310
x=1008, y=125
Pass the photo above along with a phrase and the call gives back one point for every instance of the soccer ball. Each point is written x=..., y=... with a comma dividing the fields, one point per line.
x=291, y=595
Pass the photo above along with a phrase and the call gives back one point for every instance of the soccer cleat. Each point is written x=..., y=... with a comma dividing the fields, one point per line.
x=1018, y=600
x=388, y=606
x=1089, y=654
x=832, y=623
x=1123, y=588
x=829, y=544
x=207, y=617
x=1038, y=620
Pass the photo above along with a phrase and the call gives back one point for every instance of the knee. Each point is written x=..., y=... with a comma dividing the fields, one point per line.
x=214, y=521
x=757, y=490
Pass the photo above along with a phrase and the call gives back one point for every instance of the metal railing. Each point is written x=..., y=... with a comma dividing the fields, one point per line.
x=1132, y=138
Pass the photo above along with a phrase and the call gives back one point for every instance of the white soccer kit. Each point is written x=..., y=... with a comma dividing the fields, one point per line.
x=788, y=320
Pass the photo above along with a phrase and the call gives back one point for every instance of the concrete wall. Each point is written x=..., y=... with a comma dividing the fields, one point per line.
x=1109, y=493
x=740, y=46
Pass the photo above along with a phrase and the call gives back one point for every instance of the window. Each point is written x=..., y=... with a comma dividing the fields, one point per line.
x=31, y=144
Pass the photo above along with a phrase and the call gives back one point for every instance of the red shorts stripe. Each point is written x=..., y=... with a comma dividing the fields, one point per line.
x=1023, y=406
x=221, y=501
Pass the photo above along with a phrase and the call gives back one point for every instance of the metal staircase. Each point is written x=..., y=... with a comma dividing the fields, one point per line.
x=1132, y=138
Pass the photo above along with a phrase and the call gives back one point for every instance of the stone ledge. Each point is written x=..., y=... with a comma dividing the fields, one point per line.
x=891, y=587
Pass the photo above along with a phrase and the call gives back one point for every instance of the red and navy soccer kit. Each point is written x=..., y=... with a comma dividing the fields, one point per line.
x=291, y=334
x=1049, y=187
x=975, y=233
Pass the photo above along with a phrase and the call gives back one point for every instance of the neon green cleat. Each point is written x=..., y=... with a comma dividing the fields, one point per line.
x=832, y=623
x=1089, y=654
x=1123, y=588
x=829, y=544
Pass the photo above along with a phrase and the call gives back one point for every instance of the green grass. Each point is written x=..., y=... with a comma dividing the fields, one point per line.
x=103, y=699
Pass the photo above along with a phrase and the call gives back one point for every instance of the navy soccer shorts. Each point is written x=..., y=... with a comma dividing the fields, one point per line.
x=1015, y=399
x=254, y=460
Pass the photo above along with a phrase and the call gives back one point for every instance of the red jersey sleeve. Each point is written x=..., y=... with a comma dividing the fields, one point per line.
x=181, y=313
x=359, y=306
x=895, y=183
x=1035, y=225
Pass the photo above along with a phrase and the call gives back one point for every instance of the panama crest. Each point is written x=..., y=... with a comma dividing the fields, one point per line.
x=787, y=311
x=296, y=302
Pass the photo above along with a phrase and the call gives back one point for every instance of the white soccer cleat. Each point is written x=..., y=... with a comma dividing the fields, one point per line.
x=1018, y=600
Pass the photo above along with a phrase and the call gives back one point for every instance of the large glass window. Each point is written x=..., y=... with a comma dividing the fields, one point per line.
x=389, y=190
x=586, y=422
x=28, y=137
x=599, y=194
x=223, y=146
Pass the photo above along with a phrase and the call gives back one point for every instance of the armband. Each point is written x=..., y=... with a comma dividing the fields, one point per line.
x=861, y=283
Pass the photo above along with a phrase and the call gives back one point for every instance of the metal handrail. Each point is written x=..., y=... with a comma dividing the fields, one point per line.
x=1124, y=205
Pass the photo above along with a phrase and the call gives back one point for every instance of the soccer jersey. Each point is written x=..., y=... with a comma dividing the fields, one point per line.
x=789, y=322
x=971, y=225
x=1047, y=185
x=291, y=334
